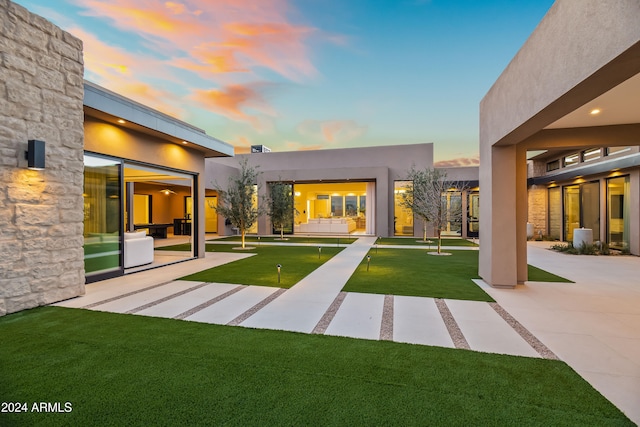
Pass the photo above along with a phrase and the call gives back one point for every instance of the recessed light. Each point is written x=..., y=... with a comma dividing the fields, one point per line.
x=594, y=111
x=185, y=142
x=121, y=121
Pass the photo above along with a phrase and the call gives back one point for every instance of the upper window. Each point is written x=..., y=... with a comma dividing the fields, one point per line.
x=592, y=154
x=616, y=150
x=571, y=160
x=554, y=165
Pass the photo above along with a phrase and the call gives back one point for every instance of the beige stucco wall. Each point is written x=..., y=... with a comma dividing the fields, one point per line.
x=384, y=165
x=41, y=212
x=546, y=80
x=105, y=138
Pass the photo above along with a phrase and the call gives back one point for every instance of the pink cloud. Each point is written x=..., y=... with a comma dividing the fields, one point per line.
x=233, y=101
x=331, y=131
x=219, y=36
x=116, y=69
x=458, y=162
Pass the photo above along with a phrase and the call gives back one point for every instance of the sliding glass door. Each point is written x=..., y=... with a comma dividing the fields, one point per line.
x=102, y=217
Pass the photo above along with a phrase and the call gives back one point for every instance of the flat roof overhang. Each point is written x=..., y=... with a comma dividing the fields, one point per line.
x=110, y=107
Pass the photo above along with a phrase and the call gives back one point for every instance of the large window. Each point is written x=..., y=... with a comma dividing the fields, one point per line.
x=571, y=210
x=102, y=215
x=402, y=217
x=618, y=212
x=473, y=214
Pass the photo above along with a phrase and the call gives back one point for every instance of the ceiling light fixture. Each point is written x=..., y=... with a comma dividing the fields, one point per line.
x=185, y=142
x=167, y=191
x=594, y=111
x=121, y=121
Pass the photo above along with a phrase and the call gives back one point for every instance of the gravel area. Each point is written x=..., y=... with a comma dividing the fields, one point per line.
x=386, y=328
x=328, y=316
x=459, y=341
x=534, y=342
x=206, y=304
x=167, y=298
x=253, y=310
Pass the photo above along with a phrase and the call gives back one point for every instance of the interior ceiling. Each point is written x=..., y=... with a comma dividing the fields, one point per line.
x=137, y=175
x=618, y=106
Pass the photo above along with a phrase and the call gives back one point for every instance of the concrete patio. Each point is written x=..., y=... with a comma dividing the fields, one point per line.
x=593, y=325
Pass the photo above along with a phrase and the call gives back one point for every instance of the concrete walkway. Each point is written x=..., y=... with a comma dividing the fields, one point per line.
x=593, y=325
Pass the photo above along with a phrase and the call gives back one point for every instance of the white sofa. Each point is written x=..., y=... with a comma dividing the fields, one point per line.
x=328, y=226
x=138, y=249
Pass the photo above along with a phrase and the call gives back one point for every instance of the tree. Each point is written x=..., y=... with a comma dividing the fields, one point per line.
x=238, y=203
x=426, y=196
x=281, y=206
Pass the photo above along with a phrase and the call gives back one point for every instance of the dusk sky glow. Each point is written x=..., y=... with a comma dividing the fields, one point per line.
x=306, y=74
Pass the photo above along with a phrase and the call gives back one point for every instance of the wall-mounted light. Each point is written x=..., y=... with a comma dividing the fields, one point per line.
x=35, y=154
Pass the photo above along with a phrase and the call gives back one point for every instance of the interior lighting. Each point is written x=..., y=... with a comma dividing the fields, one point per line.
x=35, y=154
x=167, y=191
x=594, y=111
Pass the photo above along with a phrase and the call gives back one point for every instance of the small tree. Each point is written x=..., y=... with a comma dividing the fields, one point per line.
x=238, y=202
x=281, y=206
x=426, y=197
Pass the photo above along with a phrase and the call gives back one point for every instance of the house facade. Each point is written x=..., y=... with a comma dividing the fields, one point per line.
x=351, y=190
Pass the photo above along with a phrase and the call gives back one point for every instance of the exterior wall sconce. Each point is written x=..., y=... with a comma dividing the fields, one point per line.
x=35, y=154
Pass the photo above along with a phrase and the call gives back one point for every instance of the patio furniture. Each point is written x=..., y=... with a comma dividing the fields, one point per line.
x=138, y=249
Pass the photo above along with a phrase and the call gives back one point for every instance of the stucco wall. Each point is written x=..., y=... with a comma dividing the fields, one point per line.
x=106, y=138
x=384, y=164
x=41, y=212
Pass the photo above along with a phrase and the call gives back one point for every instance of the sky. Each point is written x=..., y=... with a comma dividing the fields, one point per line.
x=306, y=74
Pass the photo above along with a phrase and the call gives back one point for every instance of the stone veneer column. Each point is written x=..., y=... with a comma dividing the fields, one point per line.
x=41, y=212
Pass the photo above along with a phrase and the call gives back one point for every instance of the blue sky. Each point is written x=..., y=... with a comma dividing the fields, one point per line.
x=306, y=74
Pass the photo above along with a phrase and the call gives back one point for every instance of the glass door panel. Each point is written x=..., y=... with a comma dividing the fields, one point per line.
x=571, y=211
x=102, y=216
x=618, y=212
x=591, y=208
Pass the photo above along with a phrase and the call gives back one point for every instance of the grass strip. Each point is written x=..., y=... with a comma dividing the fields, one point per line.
x=129, y=370
x=260, y=269
x=536, y=274
x=291, y=239
x=416, y=241
x=414, y=273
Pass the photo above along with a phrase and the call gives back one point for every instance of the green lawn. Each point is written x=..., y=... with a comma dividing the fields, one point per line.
x=129, y=370
x=291, y=239
x=416, y=241
x=539, y=275
x=414, y=273
x=260, y=269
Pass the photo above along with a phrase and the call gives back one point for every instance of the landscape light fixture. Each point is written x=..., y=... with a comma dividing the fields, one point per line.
x=35, y=154
x=279, y=267
x=368, y=261
x=319, y=251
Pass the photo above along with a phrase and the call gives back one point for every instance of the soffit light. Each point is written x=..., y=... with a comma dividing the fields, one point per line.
x=167, y=191
x=121, y=121
x=595, y=111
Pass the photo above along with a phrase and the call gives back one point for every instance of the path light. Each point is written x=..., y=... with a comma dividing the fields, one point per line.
x=368, y=261
x=279, y=267
x=258, y=240
x=338, y=242
x=319, y=251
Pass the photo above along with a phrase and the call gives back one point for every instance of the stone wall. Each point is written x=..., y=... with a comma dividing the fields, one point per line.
x=41, y=212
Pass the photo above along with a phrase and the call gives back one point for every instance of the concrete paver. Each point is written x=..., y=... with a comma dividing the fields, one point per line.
x=417, y=320
x=359, y=316
x=233, y=306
